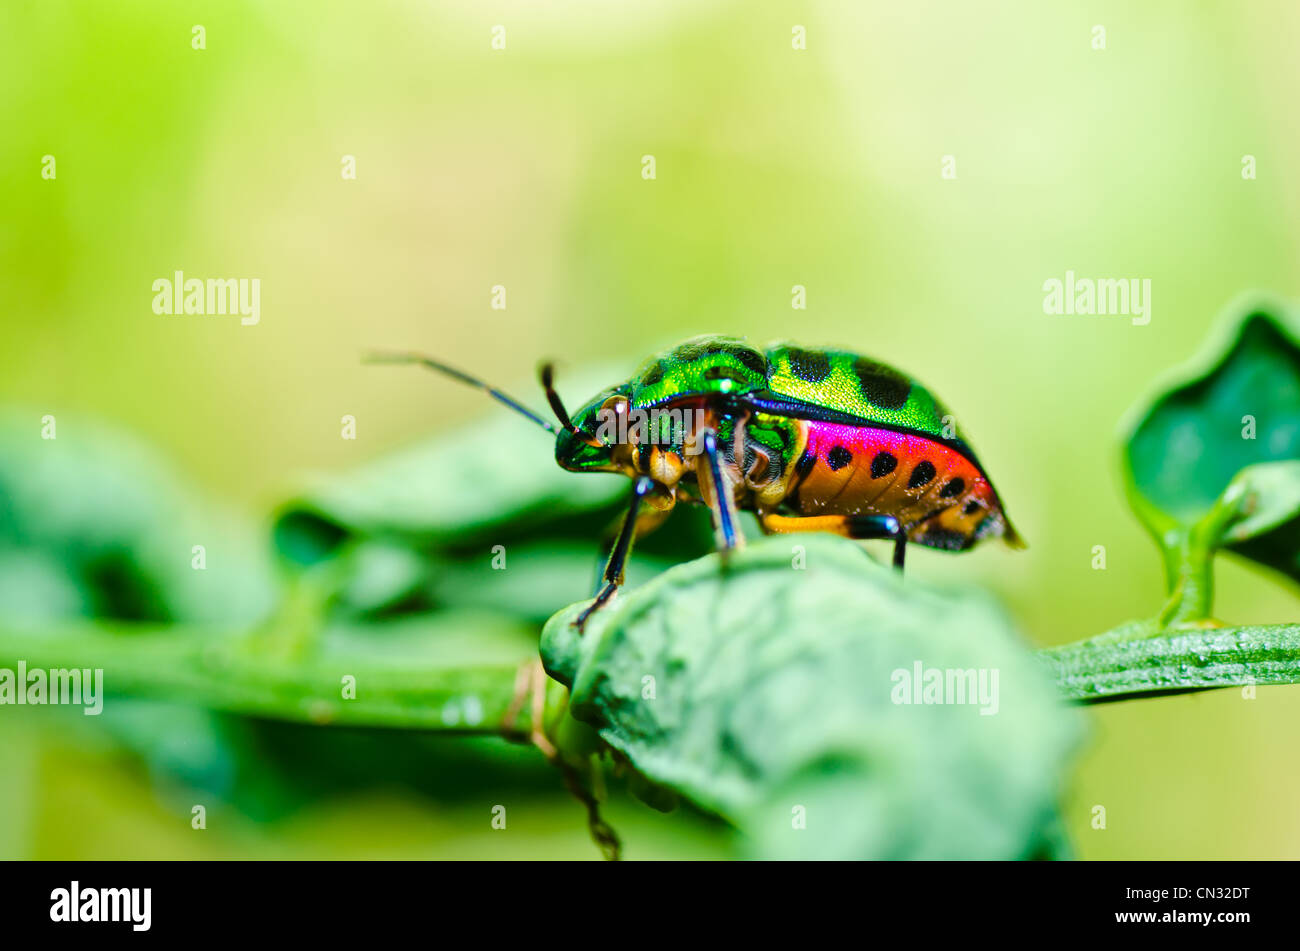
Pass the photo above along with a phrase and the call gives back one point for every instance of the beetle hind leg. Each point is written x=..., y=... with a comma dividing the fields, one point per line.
x=860, y=527
x=530, y=688
x=530, y=685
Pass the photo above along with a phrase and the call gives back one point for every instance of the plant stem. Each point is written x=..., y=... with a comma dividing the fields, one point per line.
x=1189, y=570
x=218, y=671
x=1176, y=660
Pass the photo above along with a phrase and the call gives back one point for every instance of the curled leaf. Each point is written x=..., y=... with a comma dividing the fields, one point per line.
x=1265, y=526
x=1207, y=462
x=832, y=711
x=97, y=524
x=494, y=479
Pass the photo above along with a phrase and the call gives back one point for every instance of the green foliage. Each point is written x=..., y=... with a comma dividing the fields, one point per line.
x=92, y=524
x=1189, y=443
x=413, y=674
x=495, y=479
x=1210, y=463
x=217, y=686
x=755, y=652
x=764, y=688
x=764, y=692
x=211, y=671
x=416, y=531
x=1265, y=522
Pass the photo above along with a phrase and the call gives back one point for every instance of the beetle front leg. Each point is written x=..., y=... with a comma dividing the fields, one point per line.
x=641, y=488
x=647, y=520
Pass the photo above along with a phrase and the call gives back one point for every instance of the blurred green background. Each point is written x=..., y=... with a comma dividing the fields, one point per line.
x=522, y=167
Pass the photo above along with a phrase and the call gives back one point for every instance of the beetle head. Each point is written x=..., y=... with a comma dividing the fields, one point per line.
x=589, y=442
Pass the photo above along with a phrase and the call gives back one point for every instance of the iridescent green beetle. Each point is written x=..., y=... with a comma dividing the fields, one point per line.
x=807, y=439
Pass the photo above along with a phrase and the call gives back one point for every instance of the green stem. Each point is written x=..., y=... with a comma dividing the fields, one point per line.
x=1188, y=552
x=1101, y=669
x=222, y=672
x=1189, y=572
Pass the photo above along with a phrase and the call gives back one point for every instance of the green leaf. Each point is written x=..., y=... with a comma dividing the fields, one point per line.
x=497, y=477
x=537, y=576
x=93, y=523
x=478, y=517
x=765, y=693
x=1265, y=527
x=1238, y=410
x=1261, y=499
x=493, y=480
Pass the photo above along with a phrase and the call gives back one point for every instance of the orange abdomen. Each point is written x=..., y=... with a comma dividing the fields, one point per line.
x=939, y=495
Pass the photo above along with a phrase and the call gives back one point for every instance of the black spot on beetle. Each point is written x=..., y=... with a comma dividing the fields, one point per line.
x=805, y=463
x=923, y=473
x=724, y=373
x=809, y=365
x=881, y=385
x=838, y=458
x=654, y=375
x=883, y=464
x=954, y=487
x=971, y=507
x=751, y=359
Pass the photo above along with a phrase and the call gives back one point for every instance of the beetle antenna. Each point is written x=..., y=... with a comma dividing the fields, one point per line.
x=562, y=414
x=455, y=374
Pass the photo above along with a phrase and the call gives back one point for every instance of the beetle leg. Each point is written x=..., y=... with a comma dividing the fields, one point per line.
x=530, y=685
x=647, y=520
x=641, y=488
x=717, y=492
x=850, y=526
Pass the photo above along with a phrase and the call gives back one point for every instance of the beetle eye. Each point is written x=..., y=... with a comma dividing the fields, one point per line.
x=613, y=419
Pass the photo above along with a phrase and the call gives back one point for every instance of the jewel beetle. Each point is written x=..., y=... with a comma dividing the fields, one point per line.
x=807, y=439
